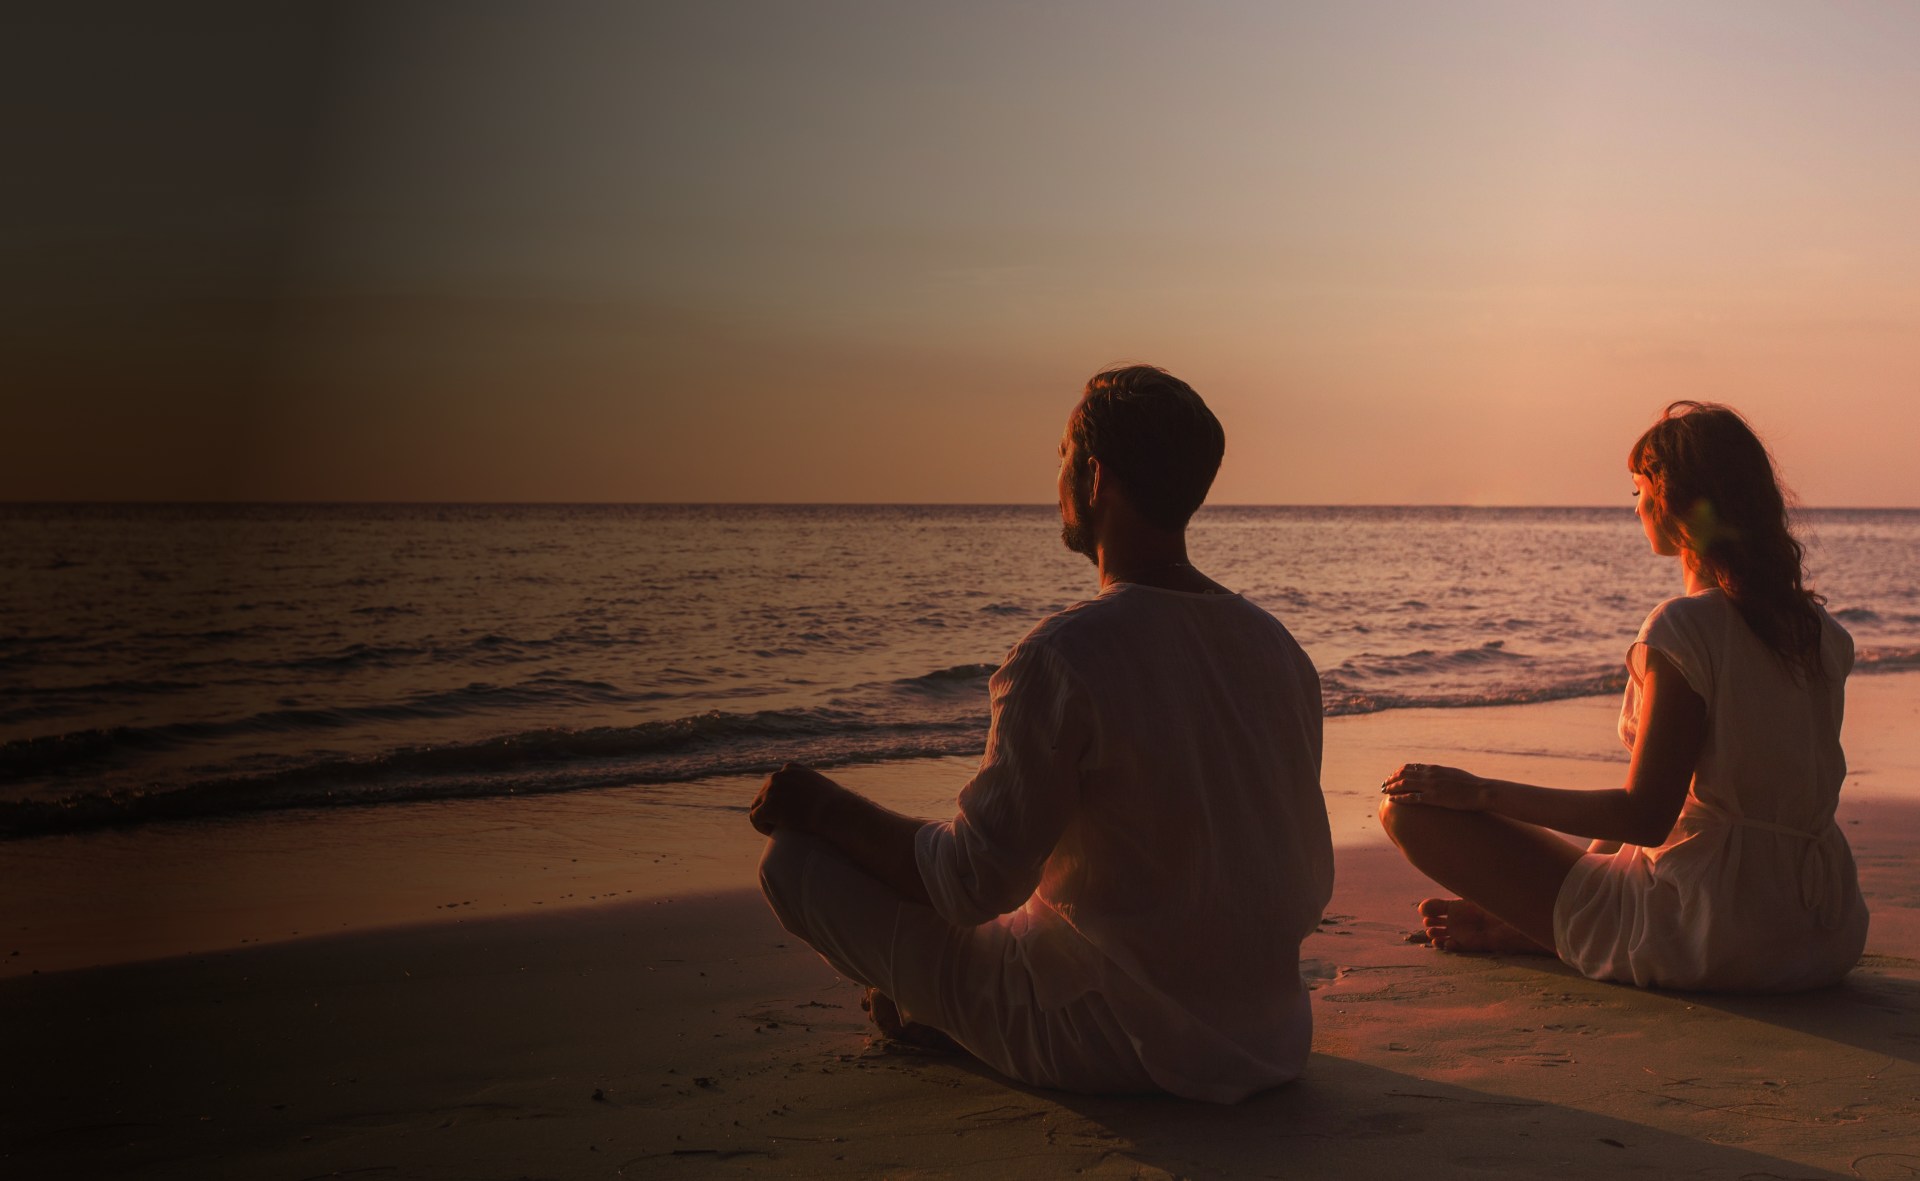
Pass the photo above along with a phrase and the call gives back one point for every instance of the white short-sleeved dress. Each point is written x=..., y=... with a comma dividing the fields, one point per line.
x=1755, y=889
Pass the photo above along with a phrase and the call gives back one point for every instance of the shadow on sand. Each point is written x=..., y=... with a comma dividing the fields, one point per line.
x=1350, y=1119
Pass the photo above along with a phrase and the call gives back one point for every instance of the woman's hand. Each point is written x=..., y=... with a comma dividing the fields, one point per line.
x=1436, y=787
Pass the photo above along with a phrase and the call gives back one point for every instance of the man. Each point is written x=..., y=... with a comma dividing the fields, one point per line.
x=1119, y=903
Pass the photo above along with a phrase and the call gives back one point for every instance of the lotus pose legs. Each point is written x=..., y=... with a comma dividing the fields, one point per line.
x=1506, y=873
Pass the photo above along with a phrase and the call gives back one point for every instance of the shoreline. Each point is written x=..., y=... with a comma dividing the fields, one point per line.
x=122, y=895
x=579, y=1030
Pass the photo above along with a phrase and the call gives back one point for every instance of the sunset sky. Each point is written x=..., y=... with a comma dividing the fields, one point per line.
x=1411, y=253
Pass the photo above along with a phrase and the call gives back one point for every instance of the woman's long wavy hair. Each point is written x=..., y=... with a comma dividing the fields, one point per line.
x=1715, y=490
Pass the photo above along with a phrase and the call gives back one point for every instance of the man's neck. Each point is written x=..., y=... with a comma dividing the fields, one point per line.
x=1162, y=563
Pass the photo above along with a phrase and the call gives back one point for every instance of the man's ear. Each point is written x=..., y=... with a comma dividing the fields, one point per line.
x=1093, y=480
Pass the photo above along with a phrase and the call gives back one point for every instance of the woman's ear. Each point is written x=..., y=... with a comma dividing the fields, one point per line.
x=1703, y=527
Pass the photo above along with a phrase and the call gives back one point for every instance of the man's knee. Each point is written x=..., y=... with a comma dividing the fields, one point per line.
x=786, y=865
x=783, y=863
x=822, y=900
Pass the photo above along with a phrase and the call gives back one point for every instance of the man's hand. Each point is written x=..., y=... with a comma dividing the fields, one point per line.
x=879, y=842
x=793, y=797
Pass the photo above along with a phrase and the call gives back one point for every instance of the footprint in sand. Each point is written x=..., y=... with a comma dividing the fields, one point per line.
x=1395, y=992
x=1319, y=973
x=1889, y=1165
x=1539, y=1058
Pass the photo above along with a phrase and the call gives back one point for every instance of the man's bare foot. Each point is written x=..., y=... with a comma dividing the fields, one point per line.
x=1454, y=924
x=886, y=1018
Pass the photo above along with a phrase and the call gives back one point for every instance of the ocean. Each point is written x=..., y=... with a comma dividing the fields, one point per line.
x=167, y=662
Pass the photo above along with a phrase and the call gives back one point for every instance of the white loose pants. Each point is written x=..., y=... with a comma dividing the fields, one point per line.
x=971, y=983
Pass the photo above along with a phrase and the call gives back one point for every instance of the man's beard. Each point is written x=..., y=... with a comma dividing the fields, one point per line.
x=1079, y=539
x=1075, y=533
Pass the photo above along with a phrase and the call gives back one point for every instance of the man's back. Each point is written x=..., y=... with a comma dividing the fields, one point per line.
x=1162, y=755
x=1119, y=902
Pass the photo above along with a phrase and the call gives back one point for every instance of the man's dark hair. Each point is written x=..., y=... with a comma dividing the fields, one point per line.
x=1154, y=435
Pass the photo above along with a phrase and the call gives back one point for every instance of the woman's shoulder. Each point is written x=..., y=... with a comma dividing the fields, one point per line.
x=1836, y=645
x=1690, y=610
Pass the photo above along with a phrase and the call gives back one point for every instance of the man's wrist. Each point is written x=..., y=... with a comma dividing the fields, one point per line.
x=829, y=812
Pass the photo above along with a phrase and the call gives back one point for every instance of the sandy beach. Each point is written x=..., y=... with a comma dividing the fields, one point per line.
x=455, y=452
x=587, y=985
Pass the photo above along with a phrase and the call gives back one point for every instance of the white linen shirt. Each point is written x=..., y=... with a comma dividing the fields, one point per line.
x=1148, y=822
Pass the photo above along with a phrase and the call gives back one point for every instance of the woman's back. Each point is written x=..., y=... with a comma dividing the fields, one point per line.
x=1772, y=751
x=1755, y=889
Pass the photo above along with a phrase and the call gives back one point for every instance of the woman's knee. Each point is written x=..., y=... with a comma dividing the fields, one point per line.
x=1396, y=818
x=1417, y=825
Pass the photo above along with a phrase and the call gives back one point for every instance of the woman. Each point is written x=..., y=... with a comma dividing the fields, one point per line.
x=1718, y=865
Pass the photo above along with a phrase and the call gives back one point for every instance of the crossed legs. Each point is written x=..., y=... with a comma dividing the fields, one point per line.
x=1507, y=876
x=970, y=983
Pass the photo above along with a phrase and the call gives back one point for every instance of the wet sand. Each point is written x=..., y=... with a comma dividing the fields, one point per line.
x=583, y=986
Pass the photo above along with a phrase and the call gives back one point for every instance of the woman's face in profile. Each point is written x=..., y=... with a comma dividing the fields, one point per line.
x=1646, y=506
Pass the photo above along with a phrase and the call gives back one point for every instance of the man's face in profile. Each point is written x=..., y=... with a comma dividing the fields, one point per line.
x=1075, y=531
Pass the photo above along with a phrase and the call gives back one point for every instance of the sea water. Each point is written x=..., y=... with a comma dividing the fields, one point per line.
x=160, y=662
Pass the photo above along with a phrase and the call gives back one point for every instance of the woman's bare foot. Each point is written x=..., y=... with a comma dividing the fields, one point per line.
x=1454, y=924
x=886, y=1018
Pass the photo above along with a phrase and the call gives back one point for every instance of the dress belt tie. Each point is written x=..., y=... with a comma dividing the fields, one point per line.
x=1820, y=884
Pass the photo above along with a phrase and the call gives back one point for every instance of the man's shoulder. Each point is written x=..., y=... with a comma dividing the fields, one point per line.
x=1061, y=631
x=1096, y=623
x=1124, y=643
x=1073, y=618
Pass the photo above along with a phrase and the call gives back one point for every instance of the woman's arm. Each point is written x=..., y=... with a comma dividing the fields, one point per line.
x=1672, y=730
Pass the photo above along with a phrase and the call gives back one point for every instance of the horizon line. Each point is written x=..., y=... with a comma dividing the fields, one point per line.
x=775, y=504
